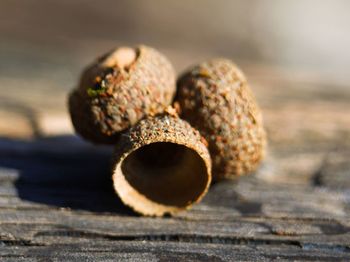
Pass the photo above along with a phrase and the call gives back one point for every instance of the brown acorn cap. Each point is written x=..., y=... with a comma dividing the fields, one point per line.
x=161, y=166
x=215, y=98
x=118, y=90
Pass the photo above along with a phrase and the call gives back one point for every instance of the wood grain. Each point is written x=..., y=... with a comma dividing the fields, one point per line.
x=57, y=201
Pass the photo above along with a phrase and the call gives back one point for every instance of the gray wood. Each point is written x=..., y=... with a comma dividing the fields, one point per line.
x=57, y=201
x=57, y=204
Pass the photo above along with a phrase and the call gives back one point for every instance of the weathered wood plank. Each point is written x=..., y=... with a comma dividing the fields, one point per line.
x=279, y=217
x=176, y=251
x=57, y=201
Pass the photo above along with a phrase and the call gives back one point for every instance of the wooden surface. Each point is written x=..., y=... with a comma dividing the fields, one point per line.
x=56, y=197
x=57, y=202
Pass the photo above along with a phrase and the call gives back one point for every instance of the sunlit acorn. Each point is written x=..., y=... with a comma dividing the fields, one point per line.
x=215, y=98
x=118, y=90
x=161, y=166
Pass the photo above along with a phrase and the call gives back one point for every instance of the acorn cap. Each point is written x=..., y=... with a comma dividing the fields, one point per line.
x=161, y=166
x=215, y=98
x=118, y=90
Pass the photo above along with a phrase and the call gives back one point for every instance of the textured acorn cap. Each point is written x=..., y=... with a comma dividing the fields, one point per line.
x=215, y=98
x=118, y=90
x=161, y=166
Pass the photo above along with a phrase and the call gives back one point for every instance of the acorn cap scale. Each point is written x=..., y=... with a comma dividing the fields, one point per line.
x=215, y=98
x=161, y=166
x=118, y=90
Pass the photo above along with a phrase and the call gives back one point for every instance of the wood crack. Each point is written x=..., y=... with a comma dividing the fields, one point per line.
x=183, y=238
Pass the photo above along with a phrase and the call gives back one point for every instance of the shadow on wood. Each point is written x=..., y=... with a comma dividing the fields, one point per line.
x=62, y=171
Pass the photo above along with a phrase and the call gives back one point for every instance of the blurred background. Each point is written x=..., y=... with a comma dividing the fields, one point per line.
x=294, y=53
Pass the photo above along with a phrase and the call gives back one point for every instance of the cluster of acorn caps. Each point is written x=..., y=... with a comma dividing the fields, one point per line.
x=172, y=139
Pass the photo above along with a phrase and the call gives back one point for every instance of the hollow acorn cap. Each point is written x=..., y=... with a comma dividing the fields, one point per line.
x=215, y=98
x=161, y=166
x=118, y=90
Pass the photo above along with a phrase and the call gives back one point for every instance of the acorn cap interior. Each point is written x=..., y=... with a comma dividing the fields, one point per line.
x=161, y=177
